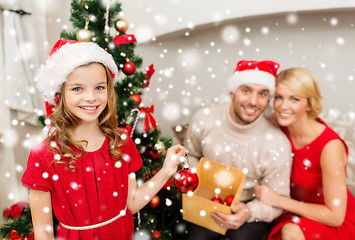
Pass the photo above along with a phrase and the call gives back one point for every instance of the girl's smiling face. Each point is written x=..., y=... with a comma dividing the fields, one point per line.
x=85, y=92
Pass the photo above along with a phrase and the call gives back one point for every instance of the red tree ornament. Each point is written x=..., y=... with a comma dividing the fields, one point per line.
x=154, y=202
x=229, y=200
x=129, y=68
x=156, y=234
x=217, y=200
x=185, y=180
x=136, y=98
x=127, y=128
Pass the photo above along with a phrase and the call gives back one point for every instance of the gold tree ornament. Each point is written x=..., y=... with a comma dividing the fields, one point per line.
x=159, y=147
x=84, y=35
x=121, y=25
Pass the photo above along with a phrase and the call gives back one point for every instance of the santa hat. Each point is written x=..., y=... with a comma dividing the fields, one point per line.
x=254, y=72
x=64, y=58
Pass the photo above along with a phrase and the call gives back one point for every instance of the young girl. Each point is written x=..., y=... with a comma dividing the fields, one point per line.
x=84, y=170
x=321, y=206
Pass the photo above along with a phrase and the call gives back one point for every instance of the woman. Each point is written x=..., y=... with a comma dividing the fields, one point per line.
x=321, y=206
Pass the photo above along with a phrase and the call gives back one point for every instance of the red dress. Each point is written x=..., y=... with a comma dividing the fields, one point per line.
x=306, y=186
x=95, y=192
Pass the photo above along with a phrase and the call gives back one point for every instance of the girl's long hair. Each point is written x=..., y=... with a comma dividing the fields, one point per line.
x=62, y=121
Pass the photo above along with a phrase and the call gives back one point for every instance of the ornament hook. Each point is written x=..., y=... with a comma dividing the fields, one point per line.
x=186, y=161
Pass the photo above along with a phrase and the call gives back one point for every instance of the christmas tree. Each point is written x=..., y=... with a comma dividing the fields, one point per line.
x=98, y=21
x=18, y=224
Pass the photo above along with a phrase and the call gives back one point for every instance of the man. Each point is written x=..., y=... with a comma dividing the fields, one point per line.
x=239, y=135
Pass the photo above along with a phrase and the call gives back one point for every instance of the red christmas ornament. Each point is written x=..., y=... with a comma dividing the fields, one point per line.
x=127, y=128
x=185, y=180
x=154, y=202
x=156, y=234
x=129, y=68
x=217, y=200
x=136, y=98
x=229, y=200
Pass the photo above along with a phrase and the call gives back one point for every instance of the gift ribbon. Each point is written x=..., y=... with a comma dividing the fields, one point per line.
x=148, y=74
x=148, y=119
x=15, y=236
x=124, y=39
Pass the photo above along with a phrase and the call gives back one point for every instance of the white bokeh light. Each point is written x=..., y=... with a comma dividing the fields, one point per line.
x=265, y=30
x=247, y=42
x=230, y=34
x=333, y=21
x=171, y=111
x=11, y=196
x=46, y=209
x=144, y=33
x=292, y=18
x=340, y=41
x=189, y=58
x=10, y=137
x=27, y=51
x=74, y=185
x=142, y=234
x=224, y=178
x=202, y=213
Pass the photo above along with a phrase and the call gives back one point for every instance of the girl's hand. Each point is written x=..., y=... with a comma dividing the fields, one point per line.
x=173, y=158
x=266, y=195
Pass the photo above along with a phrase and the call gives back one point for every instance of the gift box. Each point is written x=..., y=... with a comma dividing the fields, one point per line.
x=198, y=206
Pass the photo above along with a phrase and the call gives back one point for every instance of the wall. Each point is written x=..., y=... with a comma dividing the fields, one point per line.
x=192, y=69
x=159, y=17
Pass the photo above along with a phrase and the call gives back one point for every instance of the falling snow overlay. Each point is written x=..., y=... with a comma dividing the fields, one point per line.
x=194, y=53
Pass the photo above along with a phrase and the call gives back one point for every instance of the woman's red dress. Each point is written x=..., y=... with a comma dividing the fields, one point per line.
x=306, y=186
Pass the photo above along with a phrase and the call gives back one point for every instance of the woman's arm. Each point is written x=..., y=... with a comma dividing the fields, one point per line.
x=41, y=211
x=139, y=196
x=332, y=213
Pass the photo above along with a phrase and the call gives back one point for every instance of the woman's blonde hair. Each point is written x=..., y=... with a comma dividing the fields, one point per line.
x=303, y=83
x=62, y=120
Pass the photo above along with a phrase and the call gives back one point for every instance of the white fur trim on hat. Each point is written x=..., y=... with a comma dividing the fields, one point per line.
x=251, y=77
x=61, y=63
